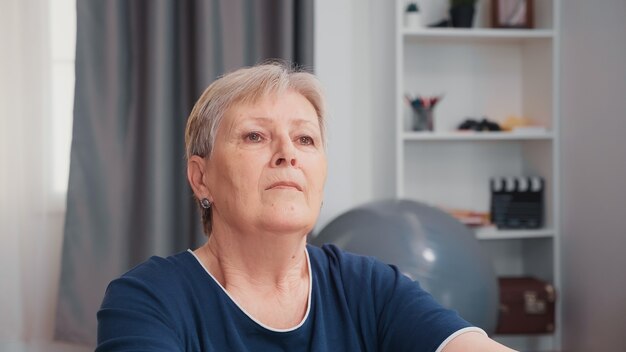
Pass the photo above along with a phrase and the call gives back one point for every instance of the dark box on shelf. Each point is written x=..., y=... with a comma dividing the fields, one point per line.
x=526, y=306
x=517, y=202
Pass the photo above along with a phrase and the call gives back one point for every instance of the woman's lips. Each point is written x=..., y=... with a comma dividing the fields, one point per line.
x=285, y=185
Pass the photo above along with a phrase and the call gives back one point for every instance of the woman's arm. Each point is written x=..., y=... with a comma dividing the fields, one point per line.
x=474, y=342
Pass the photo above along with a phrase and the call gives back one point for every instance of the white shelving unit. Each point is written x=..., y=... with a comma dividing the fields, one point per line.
x=494, y=73
x=490, y=233
x=478, y=33
x=475, y=136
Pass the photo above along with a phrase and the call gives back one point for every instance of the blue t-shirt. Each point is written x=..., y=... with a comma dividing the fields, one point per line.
x=356, y=303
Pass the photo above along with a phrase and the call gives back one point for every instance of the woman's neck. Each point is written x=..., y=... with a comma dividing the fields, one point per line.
x=267, y=275
x=260, y=259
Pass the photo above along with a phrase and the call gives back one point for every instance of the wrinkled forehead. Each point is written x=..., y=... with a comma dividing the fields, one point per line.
x=266, y=107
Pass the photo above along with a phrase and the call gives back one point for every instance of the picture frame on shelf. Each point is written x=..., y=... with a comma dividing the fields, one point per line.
x=512, y=13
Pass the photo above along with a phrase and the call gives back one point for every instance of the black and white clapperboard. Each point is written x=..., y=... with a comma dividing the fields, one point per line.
x=517, y=202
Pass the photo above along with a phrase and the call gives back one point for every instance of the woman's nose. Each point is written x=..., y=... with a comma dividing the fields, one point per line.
x=285, y=154
x=280, y=161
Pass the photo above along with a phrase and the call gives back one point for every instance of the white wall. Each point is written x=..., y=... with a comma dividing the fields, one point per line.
x=354, y=58
x=593, y=168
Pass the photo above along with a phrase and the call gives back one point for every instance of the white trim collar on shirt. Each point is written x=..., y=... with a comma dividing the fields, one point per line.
x=308, y=308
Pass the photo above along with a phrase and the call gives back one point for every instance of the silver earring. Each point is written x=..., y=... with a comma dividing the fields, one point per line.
x=205, y=203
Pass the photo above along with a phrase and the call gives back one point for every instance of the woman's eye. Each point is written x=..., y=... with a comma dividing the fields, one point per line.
x=254, y=137
x=306, y=140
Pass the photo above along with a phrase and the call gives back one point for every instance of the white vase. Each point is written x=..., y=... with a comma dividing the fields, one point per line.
x=413, y=20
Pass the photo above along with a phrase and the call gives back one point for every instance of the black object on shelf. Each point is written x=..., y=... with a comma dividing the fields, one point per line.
x=441, y=24
x=462, y=15
x=482, y=125
x=517, y=202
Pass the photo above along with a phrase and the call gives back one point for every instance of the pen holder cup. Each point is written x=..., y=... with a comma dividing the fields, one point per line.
x=422, y=119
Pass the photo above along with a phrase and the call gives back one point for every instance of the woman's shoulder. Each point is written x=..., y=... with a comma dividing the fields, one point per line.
x=359, y=274
x=330, y=259
x=333, y=254
x=156, y=278
x=148, y=302
x=161, y=269
x=158, y=271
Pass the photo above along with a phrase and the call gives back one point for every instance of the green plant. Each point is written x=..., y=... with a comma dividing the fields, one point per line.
x=412, y=7
x=455, y=3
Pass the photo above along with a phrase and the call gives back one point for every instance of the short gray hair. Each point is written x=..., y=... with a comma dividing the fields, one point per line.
x=246, y=86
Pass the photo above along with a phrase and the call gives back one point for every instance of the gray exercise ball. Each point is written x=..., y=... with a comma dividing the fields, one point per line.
x=426, y=244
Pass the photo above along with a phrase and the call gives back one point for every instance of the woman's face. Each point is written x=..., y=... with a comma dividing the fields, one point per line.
x=268, y=166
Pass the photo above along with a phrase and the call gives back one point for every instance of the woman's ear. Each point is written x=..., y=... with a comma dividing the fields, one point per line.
x=196, y=168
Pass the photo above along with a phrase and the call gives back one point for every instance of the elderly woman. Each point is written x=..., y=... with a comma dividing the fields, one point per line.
x=257, y=165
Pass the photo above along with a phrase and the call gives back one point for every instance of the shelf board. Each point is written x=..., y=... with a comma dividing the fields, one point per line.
x=492, y=233
x=476, y=136
x=478, y=33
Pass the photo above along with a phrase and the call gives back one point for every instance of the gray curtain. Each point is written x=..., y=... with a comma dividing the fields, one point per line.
x=140, y=66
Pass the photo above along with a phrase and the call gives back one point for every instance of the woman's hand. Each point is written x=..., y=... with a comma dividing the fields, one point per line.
x=474, y=342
